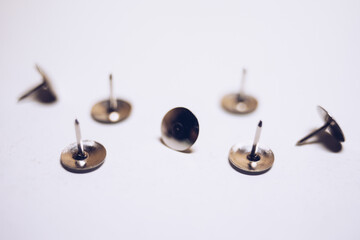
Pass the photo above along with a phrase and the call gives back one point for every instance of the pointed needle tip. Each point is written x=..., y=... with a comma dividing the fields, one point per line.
x=38, y=68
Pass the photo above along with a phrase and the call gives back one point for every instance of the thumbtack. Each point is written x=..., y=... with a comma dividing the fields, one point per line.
x=329, y=124
x=239, y=103
x=84, y=155
x=43, y=92
x=179, y=129
x=111, y=110
x=251, y=159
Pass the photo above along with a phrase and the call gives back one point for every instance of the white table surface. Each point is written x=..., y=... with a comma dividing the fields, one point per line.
x=164, y=54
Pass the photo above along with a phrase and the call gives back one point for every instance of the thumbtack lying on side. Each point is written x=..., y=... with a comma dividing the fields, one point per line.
x=179, y=129
x=43, y=92
x=251, y=159
x=84, y=155
x=239, y=103
x=329, y=124
x=111, y=110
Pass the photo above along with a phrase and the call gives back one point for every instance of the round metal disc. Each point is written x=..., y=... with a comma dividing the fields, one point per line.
x=239, y=104
x=238, y=157
x=94, y=151
x=334, y=127
x=101, y=111
x=179, y=129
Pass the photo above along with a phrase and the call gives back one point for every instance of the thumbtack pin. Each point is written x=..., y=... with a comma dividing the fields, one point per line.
x=239, y=103
x=84, y=155
x=111, y=110
x=329, y=124
x=251, y=159
x=43, y=92
x=179, y=129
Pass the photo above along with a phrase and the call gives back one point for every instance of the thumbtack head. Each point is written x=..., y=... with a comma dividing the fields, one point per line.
x=239, y=103
x=235, y=103
x=111, y=110
x=179, y=129
x=251, y=159
x=84, y=155
x=334, y=127
x=239, y=159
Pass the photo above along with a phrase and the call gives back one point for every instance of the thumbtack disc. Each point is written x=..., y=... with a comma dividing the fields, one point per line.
x=334, y=127
x=95, y=154
x=235, y=103
x=179, y=129
x=238, y=158
x=102, y=112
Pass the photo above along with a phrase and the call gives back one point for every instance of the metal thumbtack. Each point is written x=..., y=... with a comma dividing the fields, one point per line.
x=251, y=159
x=111, y=110
x=43, y=92
x=329, y=124
x=84, y=155
x=179, y=129
x=239, y=103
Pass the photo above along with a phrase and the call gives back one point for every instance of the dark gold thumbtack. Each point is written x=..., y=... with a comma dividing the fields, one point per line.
x=84, y=155
x=111, y=110
x=43, y=92
x=251, y=159
x=179, y=129
x=329, y=124
x=239, y=103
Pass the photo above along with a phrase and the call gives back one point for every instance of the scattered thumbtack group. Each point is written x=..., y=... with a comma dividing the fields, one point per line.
x=179, y=130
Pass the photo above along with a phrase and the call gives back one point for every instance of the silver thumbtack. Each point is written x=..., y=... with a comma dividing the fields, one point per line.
x=179, y=129
x=329, y=124
x=251, y=159
x=84, y=155
x=239, y=103
x=42, y=92
x=111, y=110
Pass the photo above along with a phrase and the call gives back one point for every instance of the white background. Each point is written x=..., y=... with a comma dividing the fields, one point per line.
x=164, y=54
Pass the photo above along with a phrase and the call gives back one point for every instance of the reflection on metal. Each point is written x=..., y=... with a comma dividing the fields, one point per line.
x=239, y=103
x=43, y=92
x=329, y=124
x=111, y=110
x=179, y=129
x=251, y=159
x=84, y=155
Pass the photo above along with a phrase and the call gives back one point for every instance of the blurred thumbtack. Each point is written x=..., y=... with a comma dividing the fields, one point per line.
x=111, y=110
x=43, y=92
x=329, y=124
x=239, y=103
